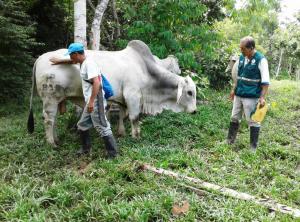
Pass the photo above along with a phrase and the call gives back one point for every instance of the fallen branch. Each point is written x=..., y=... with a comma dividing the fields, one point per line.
x=267, y=202
x=195, y=190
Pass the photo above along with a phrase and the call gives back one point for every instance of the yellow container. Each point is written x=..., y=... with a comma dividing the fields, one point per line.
x=259, y=113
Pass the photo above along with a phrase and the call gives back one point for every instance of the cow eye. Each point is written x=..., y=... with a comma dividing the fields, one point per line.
x=190, y=93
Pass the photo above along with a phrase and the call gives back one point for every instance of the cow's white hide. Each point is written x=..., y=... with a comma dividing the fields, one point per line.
x=140, y=84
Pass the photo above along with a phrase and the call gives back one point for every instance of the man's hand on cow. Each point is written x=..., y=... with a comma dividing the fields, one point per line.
x=54, y=60
x=231, y=95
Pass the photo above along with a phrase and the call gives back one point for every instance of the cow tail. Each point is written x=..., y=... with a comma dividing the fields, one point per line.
x=30, y=122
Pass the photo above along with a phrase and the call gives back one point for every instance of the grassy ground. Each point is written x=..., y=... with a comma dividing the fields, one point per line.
x=38, y=183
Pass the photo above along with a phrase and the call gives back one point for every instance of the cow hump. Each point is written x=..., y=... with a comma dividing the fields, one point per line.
x=142, y=49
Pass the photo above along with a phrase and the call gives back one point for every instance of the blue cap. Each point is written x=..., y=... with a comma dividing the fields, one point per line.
x=75, y=47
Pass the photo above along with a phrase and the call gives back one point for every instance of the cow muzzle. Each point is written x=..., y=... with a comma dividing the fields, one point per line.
x=191, y=111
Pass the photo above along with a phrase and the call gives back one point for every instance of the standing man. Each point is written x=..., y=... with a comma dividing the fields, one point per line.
x=251, y=88
x=93, y=114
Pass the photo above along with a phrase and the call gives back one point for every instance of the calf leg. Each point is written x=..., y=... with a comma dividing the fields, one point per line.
x=62, y=107
x=49, y=113
x=122, y=115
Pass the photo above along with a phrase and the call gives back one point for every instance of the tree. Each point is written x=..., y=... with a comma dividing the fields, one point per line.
x=80, y=22
x=16, y=31
x=169, y=27
x=286, y=50
x=53, y=25
x=257, y=18
x=96, y=24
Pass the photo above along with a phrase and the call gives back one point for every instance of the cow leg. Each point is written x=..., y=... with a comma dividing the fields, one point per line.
x=56, y=140
x=135, y=128
x=78, y=111
x=122, y=115
x=132, y=99
x=49, y=113
x=62, y=107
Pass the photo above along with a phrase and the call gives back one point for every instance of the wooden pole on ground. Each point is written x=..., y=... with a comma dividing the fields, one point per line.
x=266, y=202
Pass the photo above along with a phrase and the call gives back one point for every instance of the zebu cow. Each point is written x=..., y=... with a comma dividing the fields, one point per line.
x=140, y=84
x=233, y=67
x=170, y=63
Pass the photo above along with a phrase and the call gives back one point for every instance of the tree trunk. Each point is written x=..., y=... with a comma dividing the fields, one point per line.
x=116, y=18
x=298, y=73
x=80, y=21
x=91, y=4
x=105, y=32
x=279, y=63
x=290, y=68
x=80, y=29
x=95, y=29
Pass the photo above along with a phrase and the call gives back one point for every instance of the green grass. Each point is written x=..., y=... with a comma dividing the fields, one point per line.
x=39, y=183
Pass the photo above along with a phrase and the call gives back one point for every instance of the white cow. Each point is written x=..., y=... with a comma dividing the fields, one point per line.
x=170, y=63
x=233, y=68
x=140, y=84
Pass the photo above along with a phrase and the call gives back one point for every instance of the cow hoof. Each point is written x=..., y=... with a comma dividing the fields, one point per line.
x=134, y=136
x=54, y=145
x=121, y=134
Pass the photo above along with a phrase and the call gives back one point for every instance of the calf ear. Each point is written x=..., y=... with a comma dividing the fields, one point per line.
x=187, y=79
x=179, y=92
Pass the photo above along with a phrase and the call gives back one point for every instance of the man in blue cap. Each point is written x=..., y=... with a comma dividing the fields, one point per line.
x=93, y=114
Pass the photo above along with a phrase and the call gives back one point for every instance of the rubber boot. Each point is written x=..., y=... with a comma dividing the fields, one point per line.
x=85, y=143
x=110, y=146
x=232, y=132
x=254, y=133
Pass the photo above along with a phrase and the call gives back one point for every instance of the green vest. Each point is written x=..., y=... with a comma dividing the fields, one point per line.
x=249, y=77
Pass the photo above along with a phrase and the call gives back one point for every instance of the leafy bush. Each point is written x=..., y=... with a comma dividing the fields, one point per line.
x=53, y=24
x=180, y=28
x=15, y=57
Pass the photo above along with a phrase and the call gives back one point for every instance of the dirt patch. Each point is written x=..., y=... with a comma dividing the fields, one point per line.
x=83, y=167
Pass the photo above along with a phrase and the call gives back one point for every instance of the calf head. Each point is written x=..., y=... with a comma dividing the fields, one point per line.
x=186, y=95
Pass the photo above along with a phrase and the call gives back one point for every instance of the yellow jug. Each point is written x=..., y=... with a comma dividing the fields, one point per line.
x=259, y=113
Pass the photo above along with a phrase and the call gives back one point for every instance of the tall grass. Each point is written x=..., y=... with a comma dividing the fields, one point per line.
x=39, y=183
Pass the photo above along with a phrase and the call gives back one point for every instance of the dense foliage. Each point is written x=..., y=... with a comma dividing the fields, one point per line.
x=16, y=30
x=286, y=44
x=202, y=34
x=53, y=24
x=182, y=28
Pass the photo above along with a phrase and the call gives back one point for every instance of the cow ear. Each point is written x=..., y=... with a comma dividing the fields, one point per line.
x=188, y=78
x=179, y=92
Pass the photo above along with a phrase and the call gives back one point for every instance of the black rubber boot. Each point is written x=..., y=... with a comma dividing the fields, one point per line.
x=254, y=133
x=232, y=132
x=85, y=143
x=110, y=146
